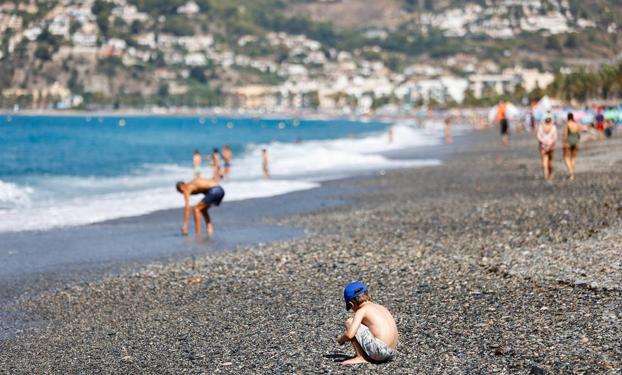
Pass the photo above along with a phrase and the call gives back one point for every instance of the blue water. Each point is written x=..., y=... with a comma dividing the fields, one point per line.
x=69, y=171
x=98, y=146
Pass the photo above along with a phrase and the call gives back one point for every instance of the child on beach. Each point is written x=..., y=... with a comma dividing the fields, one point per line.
x=372, y=331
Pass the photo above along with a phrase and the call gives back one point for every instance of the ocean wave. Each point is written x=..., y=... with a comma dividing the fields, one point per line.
x=12, y=195
x=69, y=200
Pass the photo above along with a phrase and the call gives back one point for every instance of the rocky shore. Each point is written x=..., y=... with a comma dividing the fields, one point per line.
x=486, y=267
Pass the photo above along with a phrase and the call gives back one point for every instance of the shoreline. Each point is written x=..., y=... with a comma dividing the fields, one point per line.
x=486, y=268
x=34, y=269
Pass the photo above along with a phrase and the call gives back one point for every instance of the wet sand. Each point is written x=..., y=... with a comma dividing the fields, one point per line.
x=487, y=269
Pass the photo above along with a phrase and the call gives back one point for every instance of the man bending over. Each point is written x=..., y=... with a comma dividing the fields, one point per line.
x=213, y=195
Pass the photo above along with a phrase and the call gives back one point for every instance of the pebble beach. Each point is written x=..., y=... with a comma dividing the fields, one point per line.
x=487, y=268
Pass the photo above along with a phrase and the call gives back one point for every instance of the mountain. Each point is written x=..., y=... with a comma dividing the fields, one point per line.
x=180, y=52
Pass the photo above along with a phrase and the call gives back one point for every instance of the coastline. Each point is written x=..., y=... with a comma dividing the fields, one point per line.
x=45, y=261
x=486, y=267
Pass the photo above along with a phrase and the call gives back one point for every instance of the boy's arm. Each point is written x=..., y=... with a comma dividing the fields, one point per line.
x=350, y=332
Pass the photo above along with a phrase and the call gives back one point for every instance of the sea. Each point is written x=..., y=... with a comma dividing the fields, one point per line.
x=70, y=171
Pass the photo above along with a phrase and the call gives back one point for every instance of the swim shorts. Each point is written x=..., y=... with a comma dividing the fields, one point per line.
x=214, y=195
x=373, y=347
x=505, y=127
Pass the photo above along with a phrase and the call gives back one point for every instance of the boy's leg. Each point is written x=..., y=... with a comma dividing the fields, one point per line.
x=197, y=217
x=208, y=221
x=360, y=354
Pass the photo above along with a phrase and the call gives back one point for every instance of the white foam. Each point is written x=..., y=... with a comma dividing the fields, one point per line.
x=59, y=201
x=12, y=195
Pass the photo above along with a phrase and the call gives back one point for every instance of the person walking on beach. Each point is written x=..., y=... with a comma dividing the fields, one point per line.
x=547, y=137
x=213, y=196
x=196, y=163
x=504, y=126
x=265, y=163
x=227, y=156
x=215, y=164
x=371, y=331
x=600, y=120
x=570, y=144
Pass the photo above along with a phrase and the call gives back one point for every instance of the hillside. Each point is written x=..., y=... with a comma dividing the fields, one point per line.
x=179, y=52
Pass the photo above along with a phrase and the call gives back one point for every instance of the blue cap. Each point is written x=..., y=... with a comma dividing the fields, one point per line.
x=353, y=290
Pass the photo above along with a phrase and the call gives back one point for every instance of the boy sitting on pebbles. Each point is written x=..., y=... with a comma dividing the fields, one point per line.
x=372, y=331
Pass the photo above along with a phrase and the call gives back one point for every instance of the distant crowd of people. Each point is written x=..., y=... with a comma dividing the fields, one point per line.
x=219, y=162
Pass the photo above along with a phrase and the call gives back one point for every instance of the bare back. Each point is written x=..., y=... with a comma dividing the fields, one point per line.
x=380, y=322
x=200, y=185
x=573, y=127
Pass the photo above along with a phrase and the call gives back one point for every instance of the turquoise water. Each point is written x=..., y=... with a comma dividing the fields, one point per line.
x=92, y=146
x=67, y=171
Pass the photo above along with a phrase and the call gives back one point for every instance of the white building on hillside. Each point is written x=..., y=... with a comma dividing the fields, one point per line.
x=189, y=8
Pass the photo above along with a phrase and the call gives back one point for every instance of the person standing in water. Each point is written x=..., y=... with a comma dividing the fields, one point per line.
x=570, y=144
x=227, y=156
x=448, y=139
x=547, y=137
x=213, y=196
x=265, y=163
x=215, y=164
x=390, y=134
x=196, y=163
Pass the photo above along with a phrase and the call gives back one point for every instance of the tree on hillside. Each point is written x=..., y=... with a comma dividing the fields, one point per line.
x=159, y=7
x=101, y=7
x=198, y=74
x=178, y=25
x=43, y=52
x=103, y=24
x=552, y=43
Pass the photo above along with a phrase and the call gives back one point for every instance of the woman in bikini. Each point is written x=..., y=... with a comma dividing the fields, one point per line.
x=547, y=136
x=570, y=144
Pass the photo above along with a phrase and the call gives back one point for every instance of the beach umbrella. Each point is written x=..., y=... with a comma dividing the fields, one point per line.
x=587, y=119
x=613, y=114
x=543, y=106
x=492, y=114
x=511, y=112
x=578, y=115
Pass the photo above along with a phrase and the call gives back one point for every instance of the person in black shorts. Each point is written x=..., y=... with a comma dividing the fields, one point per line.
x=503, y=123
x=505, y=127
x=214, y=195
